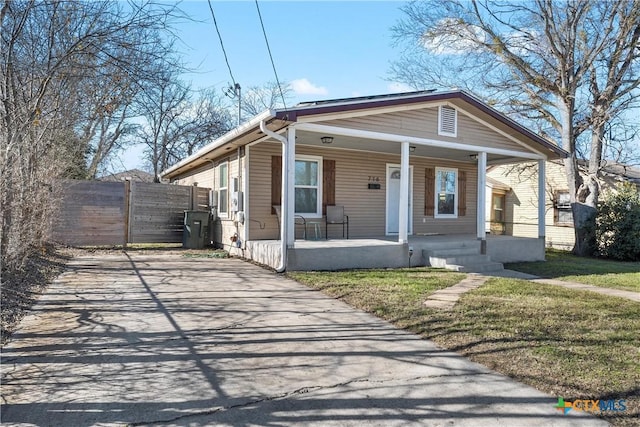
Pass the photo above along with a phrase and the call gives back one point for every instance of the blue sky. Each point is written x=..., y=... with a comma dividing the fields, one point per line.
x=340, y=48
x=326, y=49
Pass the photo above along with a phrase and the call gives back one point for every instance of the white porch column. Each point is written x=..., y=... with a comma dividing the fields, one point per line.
x=481, y=203
x=541, y=198
x=290, y=183
x=403, y=220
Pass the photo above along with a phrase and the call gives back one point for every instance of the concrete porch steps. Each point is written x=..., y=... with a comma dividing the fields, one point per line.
x=464, y=259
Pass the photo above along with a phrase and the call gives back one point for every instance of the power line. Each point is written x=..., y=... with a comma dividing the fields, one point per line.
x=284, y=103
x=213, y=15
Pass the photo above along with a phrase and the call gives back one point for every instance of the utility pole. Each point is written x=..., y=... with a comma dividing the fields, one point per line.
x=235, y=92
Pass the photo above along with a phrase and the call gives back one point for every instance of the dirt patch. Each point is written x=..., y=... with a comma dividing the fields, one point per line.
x=21, y=289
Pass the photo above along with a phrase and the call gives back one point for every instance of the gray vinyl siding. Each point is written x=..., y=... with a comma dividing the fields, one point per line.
x=207, y=176
x=366, y=208
x=262, y=223
x=203, y=176
x=423, y=123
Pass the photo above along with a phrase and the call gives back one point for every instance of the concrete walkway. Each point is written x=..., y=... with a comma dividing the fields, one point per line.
x=633, y=296
x=167, y=340
x=446, y=299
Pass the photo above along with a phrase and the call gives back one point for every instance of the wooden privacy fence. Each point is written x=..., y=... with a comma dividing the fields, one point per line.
x=117, y=213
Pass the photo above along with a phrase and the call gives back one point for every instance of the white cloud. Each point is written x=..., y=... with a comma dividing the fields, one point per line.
x=397, y=87
x=305, y=87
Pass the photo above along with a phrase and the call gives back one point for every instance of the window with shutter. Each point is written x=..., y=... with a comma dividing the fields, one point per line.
x=447, y=121
x=446, y=193
x=308, y=186
x=314, y=184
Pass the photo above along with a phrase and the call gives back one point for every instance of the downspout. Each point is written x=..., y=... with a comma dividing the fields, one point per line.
x=284, y=214
x=212, y=234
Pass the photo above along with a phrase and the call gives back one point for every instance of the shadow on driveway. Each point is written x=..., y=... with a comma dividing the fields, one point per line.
x=162, y=339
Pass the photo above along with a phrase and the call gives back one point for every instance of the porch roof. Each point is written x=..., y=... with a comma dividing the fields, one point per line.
x=315, y=112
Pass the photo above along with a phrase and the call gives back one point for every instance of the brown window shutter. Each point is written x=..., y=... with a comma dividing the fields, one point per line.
x=276, y=182
x=462, y=193
x=328, y=184
x=429, y=191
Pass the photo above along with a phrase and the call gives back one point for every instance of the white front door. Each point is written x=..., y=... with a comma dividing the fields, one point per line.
x=393, y=199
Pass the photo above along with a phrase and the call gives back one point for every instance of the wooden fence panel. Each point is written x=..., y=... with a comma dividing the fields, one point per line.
x=113, y=213
x=91, y=213
x=201, y=198
x=157, y=212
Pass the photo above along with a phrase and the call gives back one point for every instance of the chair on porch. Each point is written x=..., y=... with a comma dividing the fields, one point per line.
x=336, y=216
x=298, y=219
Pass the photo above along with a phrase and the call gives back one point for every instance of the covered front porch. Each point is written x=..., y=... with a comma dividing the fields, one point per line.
x=400, y=174
x=388, y=252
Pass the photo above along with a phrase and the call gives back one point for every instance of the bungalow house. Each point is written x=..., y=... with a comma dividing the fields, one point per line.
x=513, y=200
x=407, y=171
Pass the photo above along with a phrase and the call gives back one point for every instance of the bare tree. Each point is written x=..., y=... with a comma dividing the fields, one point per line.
x=58, y=63
x=571, y=64
x=175, y=125
x=257, y=99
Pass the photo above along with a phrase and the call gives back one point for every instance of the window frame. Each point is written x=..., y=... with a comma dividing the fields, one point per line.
x=318, y=187
x=557, y=207
x=442, y=132
x=493, y=207
x=221, y=213
x=437, y=192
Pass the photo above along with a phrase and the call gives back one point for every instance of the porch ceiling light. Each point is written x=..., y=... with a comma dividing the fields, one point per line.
x=412, y=149
x=326, y=139
x=474, y=156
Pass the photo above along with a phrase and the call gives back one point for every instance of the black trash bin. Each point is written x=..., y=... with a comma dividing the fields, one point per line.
x=196, y=229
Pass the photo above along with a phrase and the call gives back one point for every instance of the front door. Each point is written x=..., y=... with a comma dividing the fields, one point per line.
x=393, y=199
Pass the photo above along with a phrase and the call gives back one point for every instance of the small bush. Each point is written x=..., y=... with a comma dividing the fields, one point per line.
x=618, y=225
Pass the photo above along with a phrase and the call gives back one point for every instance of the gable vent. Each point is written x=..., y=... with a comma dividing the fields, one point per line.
x=447, y=122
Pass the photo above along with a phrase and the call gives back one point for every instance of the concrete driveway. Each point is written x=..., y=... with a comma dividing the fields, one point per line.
x=166, y=340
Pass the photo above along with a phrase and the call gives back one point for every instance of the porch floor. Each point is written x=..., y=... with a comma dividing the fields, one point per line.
x=386, y=251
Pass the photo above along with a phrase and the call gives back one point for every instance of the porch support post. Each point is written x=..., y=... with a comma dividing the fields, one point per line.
x=541, y=199
x=403, y=220
x=290, y=183
x=482, y=195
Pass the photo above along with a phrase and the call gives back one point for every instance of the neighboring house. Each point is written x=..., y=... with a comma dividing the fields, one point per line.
x=405, y=167
x=129, y=175
x=514, y=207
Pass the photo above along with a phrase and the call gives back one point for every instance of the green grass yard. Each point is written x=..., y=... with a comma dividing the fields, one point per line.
x=591, y=271
x=574, y=344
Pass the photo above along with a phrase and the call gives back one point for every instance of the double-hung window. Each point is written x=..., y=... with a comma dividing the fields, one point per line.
x=223, y=189
x=498, y=204
x=563, y=212
x=446, y=193
x=308, y=186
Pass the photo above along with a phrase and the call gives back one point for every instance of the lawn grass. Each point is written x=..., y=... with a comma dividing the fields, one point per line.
x=574, y=344
x=377, y=291
x=591, y=271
